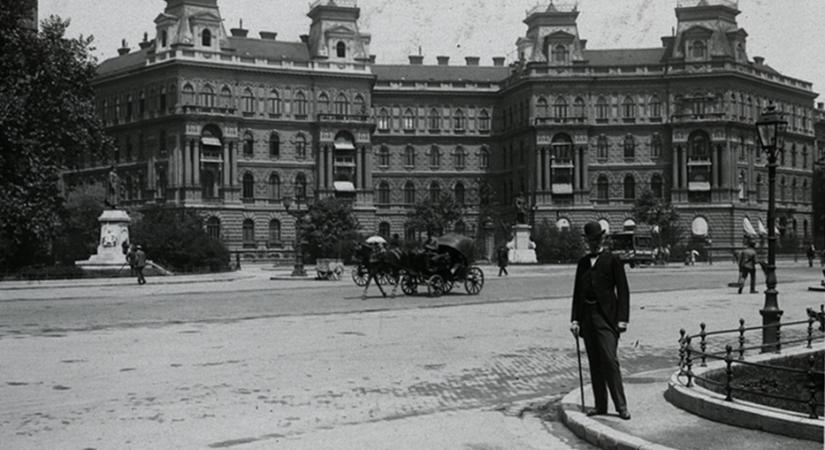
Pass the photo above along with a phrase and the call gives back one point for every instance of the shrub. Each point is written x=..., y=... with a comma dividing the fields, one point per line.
x=556, y=246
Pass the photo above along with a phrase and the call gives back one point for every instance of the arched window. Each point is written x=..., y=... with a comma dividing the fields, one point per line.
x=484, y=158
x=541, y=107
x=274, y=187
x=560, y=108
x=248, y=145
x=804, y=156
x=248, y=100
x=629, y=147
x=459, y=193
x=699, y=147
x=409, y=120
x=164, y=37
x=300, y=103
x=579, y=108
x=274, y=232
x=300, y=186
x=213, y=228
x=360, y=107
x=248, y=187
x=560, y=54
x=656, y=145
x=485, y=192
x=206, y=38
x=483, y=121
x=384, y=229
x=656, y=185
x=434, y=120
x=274, y=145
x=341, y=49
x=655, y=107
x=409, y=156
x=602, y=147
x=435, y=191
x=793, y=156
x=435, y=156
x=274, y=103
x=629, y=187
x=602, y=108
x=409, y=232
x=207, y=184
x=384, y=156
x=208, y=96
x=793, y=190
x=384, y=193
x=323, y=103
x=248, y=232
x=383, y=119
x=698, y=49
x=602, y=188
x=341, y=105
x=300, y=147
x=188, y=93
x=628, y=108
x=226, y=97
x=458, y=120
x=409, y=193
x=759, y=188
x=460, y=227
x=459, y=157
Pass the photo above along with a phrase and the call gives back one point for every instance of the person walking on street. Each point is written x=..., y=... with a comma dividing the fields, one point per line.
x=747, y=266
x=140, y=264
x=130, y=259
x=502, y=258
x=600, y=313
x=811, y=254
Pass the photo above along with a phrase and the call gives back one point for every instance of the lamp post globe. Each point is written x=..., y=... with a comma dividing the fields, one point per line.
x=771, y=129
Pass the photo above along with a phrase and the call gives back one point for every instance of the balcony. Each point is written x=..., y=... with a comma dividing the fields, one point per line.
x=691, y=117
x=557, y=120
x=327, y=117
x=216, y=110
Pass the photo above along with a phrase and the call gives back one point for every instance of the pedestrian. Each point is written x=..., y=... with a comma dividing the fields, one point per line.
x=747, y=266
x=600, y=313
x=811, y=254
x=140, y=264
x=130, y=259
x=693, y=254
x=502, y=258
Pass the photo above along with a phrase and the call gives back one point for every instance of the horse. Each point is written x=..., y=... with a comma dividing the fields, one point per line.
x=380, y=262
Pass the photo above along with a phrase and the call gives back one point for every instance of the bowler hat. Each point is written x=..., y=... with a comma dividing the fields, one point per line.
x=592, y=229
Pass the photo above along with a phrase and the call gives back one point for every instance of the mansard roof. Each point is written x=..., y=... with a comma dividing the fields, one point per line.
x=130, y=60
x=624, y=57
x=408, y=72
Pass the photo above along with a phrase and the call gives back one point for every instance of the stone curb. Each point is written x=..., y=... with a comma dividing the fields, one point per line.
x=127, y=281
x=712, y=406
x=597, y=433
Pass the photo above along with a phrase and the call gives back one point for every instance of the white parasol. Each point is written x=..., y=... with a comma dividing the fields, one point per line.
x=749, y=230
x=376, y=240
x=762, y=230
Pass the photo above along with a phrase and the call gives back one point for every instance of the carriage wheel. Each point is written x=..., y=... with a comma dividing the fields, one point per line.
x=474, y=281
x=359, y=275
x=435, y=286
x=409, y=285
x=387, y=279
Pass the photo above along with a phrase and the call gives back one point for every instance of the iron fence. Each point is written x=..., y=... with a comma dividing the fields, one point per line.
x=689, y=355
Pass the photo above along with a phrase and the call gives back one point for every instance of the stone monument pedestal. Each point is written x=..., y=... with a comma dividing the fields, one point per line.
x=521, y=249
x=114, y=232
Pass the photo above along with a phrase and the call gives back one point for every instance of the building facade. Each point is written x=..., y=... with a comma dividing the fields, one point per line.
x=229, y=125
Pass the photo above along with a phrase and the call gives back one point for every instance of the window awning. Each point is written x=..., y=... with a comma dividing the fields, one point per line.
x=343, y=186
x=562, y=188
x=344, y=146
x=699, y=186
x=210, y=141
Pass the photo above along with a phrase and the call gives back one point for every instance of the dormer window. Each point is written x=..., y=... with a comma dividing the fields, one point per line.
x=560, y=54
x=341, y=49
x=698, y=50
x=206, y=38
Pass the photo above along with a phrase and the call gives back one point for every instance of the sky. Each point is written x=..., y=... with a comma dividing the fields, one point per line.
x=787, y=33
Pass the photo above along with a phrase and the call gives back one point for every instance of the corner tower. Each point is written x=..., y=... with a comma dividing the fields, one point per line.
x=552, y=35
x=707, y=30
x=190, y=23
x=334, y=33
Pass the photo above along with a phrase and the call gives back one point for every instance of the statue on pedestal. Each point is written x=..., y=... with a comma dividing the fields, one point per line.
x=521, y=209
x=113, y=190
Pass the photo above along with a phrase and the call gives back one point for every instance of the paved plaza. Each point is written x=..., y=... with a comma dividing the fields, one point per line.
x=243, y=361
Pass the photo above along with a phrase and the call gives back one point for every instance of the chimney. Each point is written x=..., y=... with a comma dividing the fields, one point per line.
x=759, y=60
x=146, y=42
x=416, y=60
x=498, y=61
x=372, y=59
x=124, y=49
x=443, y=60
x=583, y=43
x=240, y=31
x=268, y=35
x=472, y=60
x=304, y=38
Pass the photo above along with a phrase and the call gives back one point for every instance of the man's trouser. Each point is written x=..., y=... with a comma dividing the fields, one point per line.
x=601, y=341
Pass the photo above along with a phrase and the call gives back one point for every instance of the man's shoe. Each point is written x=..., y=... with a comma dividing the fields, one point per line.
x=596, y=412
x=624, y=414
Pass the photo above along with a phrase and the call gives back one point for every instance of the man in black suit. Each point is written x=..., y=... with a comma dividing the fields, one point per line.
x=601, y=309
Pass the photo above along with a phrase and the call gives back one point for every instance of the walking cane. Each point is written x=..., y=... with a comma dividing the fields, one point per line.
x=581, y=378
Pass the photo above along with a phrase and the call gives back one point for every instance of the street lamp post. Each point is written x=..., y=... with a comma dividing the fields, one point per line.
x=298, y=214
x=770, y=128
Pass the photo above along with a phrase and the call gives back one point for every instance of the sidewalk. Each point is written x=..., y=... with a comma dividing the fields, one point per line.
x=656, y=424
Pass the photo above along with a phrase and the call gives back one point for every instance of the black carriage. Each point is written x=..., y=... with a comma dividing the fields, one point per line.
x=441, y=267
x=365, y=253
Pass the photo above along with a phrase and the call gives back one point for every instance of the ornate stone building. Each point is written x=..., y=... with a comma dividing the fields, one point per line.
x=228, y=125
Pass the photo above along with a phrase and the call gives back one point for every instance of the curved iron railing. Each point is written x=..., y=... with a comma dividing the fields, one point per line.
x=688, y=354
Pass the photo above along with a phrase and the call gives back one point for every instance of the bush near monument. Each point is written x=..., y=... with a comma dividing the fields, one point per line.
x=330, y=230
x=556, y=246
x=176, y=239
x=79, y=236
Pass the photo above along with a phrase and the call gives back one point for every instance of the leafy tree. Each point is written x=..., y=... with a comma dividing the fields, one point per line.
x=175, y=238
x=47, y=118
x=79, y=236
x=435, y=215
x=556, y=246
x=330, y=229
x=654, y=211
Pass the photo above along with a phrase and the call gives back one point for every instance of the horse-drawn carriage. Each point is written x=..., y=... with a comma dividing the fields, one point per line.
x=441, y=267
